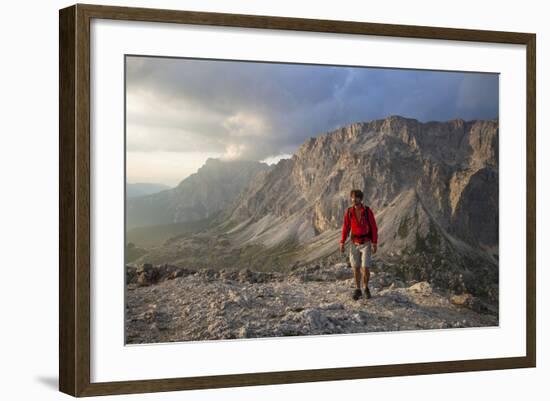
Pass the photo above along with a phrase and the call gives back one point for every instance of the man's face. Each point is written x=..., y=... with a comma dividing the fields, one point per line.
x=355, y=201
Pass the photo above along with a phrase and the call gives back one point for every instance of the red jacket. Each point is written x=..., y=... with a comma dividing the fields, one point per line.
x=359, y=227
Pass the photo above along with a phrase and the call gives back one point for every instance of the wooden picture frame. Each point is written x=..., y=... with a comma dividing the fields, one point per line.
x=74, y=199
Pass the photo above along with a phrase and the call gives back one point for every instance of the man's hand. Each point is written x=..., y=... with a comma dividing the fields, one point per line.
x=342, y=248
x=374, y=246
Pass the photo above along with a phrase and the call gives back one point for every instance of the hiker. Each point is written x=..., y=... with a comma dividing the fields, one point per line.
x=363, y=240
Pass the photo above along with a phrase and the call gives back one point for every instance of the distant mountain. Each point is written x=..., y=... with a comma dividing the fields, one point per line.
x=212, y=188
x=142, y=189
x=433, y=187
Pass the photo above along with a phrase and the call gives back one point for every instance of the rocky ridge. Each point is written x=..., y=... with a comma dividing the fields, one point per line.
x=433, y=187
x=166, y=303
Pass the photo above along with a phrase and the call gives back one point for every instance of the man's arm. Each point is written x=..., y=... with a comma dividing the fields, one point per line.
x=374, y=228
x=345, y=229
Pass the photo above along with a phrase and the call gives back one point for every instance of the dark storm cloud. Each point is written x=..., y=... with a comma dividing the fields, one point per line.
x=255, y=110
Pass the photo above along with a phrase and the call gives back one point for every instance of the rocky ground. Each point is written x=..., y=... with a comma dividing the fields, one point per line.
x=167, y=303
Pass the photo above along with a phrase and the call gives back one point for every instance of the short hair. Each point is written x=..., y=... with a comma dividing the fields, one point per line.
x=357, y=192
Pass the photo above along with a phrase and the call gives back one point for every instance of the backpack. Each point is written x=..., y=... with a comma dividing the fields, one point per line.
x=365, y=216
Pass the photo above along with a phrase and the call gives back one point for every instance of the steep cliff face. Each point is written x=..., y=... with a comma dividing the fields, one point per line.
x=433, y=188
x=417, y=177
x=212, y=188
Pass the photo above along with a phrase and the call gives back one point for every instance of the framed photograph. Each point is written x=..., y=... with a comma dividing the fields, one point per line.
x=249, y=200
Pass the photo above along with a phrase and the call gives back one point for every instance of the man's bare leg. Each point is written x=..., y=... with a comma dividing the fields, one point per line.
x=356, y=277
x=357, y=291
x=365, y=273
x=366, y=276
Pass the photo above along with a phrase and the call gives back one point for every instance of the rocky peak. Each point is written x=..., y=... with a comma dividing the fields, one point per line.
x=399, y=163
x=432, y=186
x=214, y=186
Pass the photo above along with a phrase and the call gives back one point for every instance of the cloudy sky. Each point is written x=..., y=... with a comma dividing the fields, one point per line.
x=182, y=111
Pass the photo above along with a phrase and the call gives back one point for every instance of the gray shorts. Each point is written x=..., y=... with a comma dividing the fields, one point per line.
x=360, y=254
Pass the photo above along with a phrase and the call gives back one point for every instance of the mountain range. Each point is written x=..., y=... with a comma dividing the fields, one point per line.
x=433, y=187
x=212, y=188
x=134, y=190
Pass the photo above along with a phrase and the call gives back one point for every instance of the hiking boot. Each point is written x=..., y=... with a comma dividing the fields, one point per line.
x=357, y=294
x=367, y=293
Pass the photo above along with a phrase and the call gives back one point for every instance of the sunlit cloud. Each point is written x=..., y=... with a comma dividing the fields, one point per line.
x=256, y=111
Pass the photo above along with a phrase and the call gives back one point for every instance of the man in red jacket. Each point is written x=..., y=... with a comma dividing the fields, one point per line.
x=364, y=236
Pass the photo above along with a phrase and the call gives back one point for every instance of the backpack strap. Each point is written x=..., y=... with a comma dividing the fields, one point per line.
x=349, y=213
x=365, y=211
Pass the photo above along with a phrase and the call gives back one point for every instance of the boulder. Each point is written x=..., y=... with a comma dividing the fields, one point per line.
x=422, y=287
